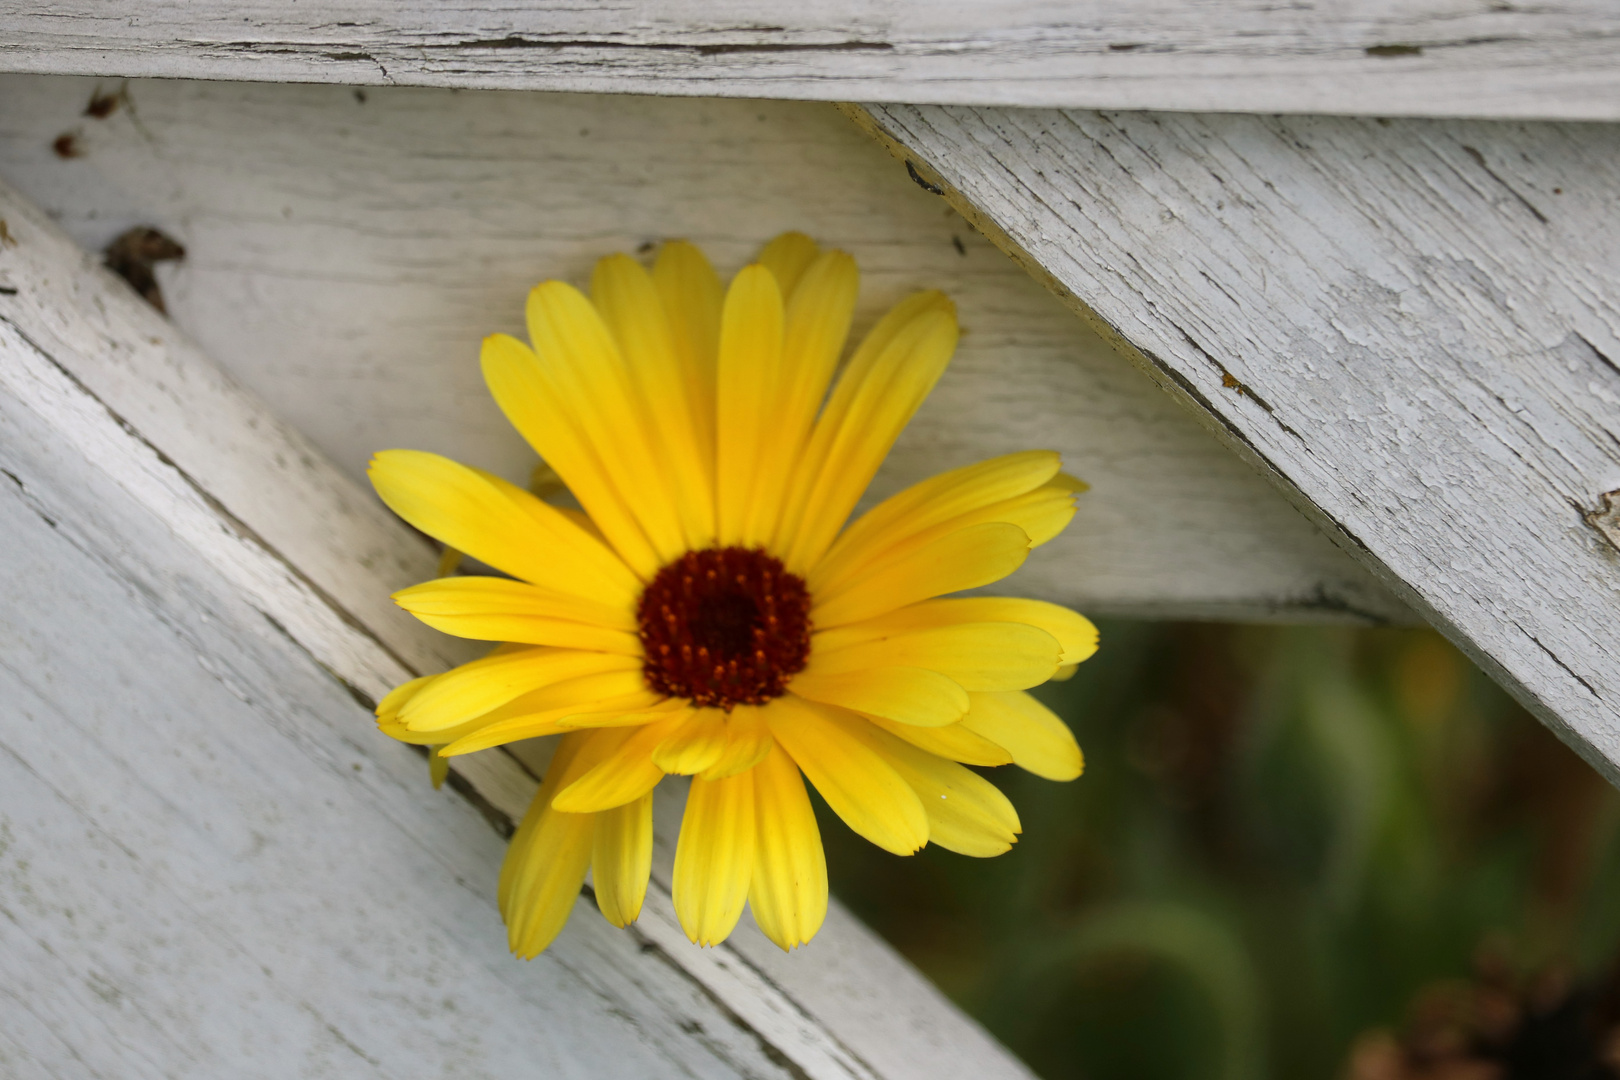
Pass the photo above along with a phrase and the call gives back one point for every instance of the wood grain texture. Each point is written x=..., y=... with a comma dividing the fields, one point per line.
x=209, y=856
x=1554, y=59
x=346, y=256
x=212, y=867
x=1414, y=326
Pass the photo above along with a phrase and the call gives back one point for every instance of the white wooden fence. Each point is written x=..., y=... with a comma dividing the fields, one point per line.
x=211, y=865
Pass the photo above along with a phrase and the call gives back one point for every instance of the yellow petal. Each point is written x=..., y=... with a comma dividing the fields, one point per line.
x=497, y=609
x=1037, y=739
x=751, y=327
x=438, y=768
x=951, y=741
x=976, y=656
x=622, y=715
x=535, y=403
x=696, y=745
x=714, y=858
x=932, y=502
x=496, y=597
x=546, y=861
x=502, y=525
x=1074, y=632
x=534, y=725
x=966, y=813
x=748, y=741
x=437, y=740
x=787, y=257
x=788, y=893
x=473, y=689
x=621, y=859
x=860, y=435
x=388, y=708
x=534, y=714
x=817, y=322
x=803, y=488
x=1042, y=514
x=630, y=710
x=623, y=776
x=692, y=298
x=964, y=559
x=628, y=300
x=586, y=370
x=527, y=497
x=909, y=695
x=859, y=784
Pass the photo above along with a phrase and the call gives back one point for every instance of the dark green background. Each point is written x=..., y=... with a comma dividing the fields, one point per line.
x=1284, y=837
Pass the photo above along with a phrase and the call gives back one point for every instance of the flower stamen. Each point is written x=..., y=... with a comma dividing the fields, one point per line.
x=724, y=627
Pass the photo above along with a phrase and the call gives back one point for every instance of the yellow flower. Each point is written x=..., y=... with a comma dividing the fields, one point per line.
x=708, y=615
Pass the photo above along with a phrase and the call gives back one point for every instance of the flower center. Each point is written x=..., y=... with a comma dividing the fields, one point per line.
x=724, y=627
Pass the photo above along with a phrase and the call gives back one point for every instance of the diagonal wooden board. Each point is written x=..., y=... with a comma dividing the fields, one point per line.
x=1412, y=326
x=347, y=252
x=206, y=866
x=210, y=861
x=1552, y=59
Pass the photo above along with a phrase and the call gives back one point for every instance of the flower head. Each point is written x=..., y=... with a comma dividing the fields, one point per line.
x=706, y=613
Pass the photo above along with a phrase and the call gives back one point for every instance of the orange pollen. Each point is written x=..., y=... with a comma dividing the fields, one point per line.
x=724, y=627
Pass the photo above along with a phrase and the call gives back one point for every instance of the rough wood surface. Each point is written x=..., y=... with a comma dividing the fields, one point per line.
x=347, y=252
x=209, y=867
x=1414, y=326
x=1554, y=59
x=210, y=861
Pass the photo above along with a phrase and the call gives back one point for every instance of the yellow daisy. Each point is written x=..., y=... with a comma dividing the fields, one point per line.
x=706, y=613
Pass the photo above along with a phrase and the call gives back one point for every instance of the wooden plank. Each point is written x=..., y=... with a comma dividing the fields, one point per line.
x=346, y=257
x=208, y=859
x=1554, y=59
x=1413, y=326
x=207, y=852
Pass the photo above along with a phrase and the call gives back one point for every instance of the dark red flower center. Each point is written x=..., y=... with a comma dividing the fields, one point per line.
x=724, y=627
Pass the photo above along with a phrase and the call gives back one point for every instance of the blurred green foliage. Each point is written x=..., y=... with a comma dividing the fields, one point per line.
x=1283, y=835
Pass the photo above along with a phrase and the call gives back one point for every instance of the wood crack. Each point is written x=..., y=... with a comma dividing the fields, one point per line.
x=1554, y=657
x=1479, y=159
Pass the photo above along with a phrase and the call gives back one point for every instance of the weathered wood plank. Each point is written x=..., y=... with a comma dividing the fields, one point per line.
x=1423, y=57
x=346, y=257
x=1412, y=325
x=207, y=852
x=206, y=859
